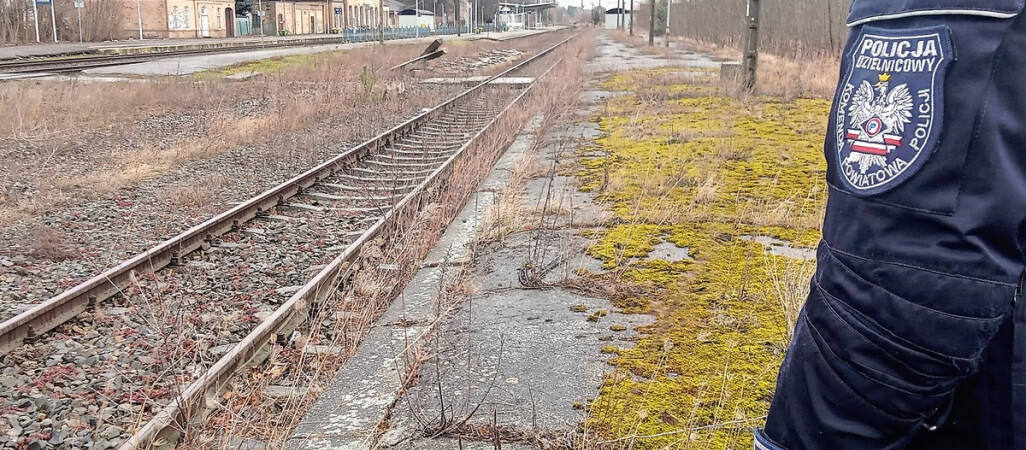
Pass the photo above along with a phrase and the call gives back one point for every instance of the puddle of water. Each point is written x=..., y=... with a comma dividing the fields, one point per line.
x=668, y=251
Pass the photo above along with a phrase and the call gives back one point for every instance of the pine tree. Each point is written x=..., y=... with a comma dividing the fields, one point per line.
x=243, y=6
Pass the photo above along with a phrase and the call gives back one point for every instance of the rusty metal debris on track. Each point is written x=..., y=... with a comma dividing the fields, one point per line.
x=432, y=51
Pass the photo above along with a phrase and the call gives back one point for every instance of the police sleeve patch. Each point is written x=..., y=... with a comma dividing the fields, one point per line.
x=890, y=106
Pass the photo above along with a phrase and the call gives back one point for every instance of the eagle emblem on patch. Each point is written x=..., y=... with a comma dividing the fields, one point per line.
x=890, y=106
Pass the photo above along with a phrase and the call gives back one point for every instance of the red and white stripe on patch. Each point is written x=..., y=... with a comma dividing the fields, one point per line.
x=870, y=147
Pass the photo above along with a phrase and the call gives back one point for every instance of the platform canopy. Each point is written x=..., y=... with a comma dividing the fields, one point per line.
x=413, y=12
x=528, y=7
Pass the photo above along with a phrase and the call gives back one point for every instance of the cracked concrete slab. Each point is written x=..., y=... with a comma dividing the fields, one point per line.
x=454, y=245
x=466, y=444
x=550, y=257
x=530, y=359
x=563, y=205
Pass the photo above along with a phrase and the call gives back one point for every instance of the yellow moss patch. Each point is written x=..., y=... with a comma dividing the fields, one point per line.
x=610, y=349
x=702, y=171
x=268, y=65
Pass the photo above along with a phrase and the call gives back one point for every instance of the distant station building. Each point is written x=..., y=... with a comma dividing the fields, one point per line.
x=617, y=16
x=521, y=16
x=410, y=17
x=289, y=18
x=507, y=18
x=163, y=19
x=317, y=17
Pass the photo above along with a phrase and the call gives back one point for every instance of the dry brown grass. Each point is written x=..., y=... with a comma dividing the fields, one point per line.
x=814, y=76
x=74, y=141
x=797, y=78
x=191, y=195
x=48, y=244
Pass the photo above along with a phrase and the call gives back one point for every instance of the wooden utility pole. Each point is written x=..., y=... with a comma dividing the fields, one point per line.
x=751, y=45
x=381, y=19
x=459, y=29
x=651, y=25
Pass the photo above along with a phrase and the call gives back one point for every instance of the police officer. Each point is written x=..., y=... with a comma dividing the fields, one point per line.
x=914, y=332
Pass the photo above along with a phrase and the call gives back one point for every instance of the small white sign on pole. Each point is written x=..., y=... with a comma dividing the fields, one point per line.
x=78, y=7
x=35, y=15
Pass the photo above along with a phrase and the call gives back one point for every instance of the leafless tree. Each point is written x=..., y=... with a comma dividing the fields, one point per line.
x=788, y=27
x=101, y=20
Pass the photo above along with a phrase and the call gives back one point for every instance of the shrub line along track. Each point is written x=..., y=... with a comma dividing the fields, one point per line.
x=421, y=150
x=77, y=64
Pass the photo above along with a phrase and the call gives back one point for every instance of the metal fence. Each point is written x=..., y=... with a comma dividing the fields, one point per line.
x=372, y=34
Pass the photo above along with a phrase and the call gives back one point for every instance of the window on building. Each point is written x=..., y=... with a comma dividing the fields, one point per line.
x=219, y=17
x=185, y=19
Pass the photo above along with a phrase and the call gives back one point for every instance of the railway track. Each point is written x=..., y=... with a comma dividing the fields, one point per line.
x=180, y=318
x=80, y=63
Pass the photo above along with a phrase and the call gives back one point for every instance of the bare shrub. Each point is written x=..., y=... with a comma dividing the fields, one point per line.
x=49, y=244
x=101, y=21
x=793, y=28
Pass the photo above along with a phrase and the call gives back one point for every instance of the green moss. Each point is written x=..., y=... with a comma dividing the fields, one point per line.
x=268, y=65
x=618, y=327
x=578, y=308
x=700, y=170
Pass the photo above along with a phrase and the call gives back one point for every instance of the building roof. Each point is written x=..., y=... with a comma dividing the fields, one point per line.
x=413, y=12
x=531, y=6
x=396, y=5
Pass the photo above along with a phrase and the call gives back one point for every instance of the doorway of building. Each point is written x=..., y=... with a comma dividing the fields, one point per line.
x=313, y=24
x=204, y=23
x=229, y=22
